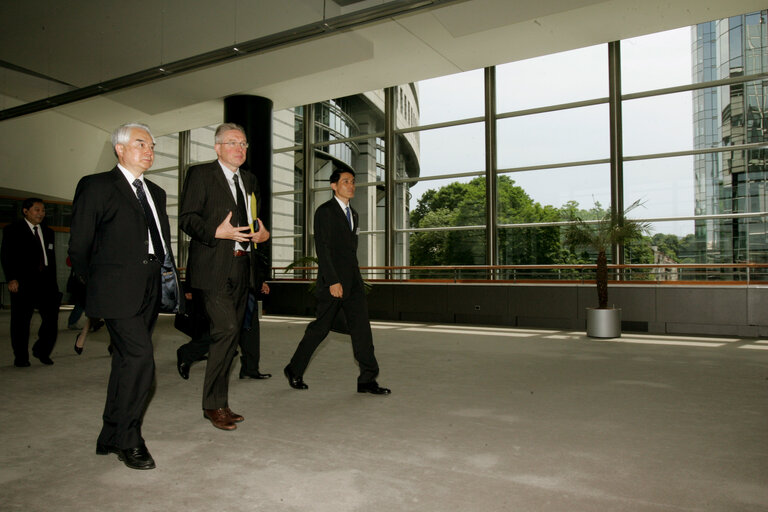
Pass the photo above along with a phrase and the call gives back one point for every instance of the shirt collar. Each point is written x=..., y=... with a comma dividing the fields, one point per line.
x=129, y=175
x=229, y=173
x=31, y=226
x=341, y=203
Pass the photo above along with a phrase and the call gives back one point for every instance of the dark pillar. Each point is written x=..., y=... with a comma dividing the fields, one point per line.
x=308, y=148
x=182, y=237
x=390, y=173
x=617, y=149
x=254, y=114
x=491, y=186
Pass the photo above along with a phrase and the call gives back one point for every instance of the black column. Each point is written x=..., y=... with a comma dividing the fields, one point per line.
x=617, y=148
x=254, y=114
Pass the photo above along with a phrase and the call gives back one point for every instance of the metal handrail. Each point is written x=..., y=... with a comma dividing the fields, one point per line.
x=740, y=274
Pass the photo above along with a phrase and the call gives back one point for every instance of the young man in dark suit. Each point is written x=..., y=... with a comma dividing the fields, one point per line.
x=339, y=287
x=119, y=245
x=215, y=212
x=29, y=264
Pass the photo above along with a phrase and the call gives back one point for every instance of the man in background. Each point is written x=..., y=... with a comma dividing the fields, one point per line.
x=29, y=264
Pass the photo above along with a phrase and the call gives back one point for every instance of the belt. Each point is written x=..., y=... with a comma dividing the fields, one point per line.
x=238, y=252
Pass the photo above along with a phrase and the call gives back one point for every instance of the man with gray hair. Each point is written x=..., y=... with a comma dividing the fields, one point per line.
x=119, y=247
x=219, y=212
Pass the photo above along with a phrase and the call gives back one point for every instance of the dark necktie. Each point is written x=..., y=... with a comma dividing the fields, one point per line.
x=41, y=256
x=242, y=215
x=349, y=219
x=154, y=233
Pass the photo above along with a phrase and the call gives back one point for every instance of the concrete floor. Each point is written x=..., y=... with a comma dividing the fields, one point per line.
x=480, y=419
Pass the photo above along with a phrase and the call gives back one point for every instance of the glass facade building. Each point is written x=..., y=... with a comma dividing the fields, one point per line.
x=732, y=185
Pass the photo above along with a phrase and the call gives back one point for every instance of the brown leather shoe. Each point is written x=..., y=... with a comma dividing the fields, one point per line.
x=233, y=415
x=219, y=418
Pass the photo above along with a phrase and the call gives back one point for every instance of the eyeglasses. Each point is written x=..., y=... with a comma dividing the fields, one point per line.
x=233, y=144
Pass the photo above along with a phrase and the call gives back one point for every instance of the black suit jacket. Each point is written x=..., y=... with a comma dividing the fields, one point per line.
x=205, y=202
x=336, y=247
x=109, y=242
x=20, y=258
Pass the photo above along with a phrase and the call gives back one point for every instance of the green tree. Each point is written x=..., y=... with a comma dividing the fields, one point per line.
x=463, y=204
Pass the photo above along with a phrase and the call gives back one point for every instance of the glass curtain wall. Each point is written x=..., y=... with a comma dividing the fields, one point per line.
x=694, y=130
x=345, y=134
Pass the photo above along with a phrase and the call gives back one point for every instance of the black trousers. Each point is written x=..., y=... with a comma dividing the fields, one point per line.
x=355, y=308
x=23, y=305
x=198, y=328
x=250, y=337
x=225, y=308
x=133, y=369
x=199, y=344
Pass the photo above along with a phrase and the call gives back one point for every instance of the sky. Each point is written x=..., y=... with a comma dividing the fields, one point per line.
x=653, y=125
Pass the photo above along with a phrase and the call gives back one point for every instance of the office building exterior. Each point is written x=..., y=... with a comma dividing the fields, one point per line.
x=731, y=183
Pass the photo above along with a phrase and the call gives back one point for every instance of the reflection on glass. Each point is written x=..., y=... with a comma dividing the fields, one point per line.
x=531, y=246
x=447, y=247
x=731, y=182
x=434, y=203
x=539, y=82
x=554, y=137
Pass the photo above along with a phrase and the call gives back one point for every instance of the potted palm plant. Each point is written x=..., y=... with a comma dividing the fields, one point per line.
x=608, y=230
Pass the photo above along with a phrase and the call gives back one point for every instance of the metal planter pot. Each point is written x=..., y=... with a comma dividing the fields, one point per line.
x=604, y=323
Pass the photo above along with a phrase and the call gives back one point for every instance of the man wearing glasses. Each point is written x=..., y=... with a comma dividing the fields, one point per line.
x=216, y=213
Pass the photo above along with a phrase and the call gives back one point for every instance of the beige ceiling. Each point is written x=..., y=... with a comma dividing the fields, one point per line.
x=78, y=43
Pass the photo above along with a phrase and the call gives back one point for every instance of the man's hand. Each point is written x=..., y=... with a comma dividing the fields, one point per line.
x=262, y=235
x=13, y=286
x=265, y=289
x=337, y=291
x=226, y=231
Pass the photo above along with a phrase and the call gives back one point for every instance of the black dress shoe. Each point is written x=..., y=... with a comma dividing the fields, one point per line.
x=293, y=380
x=254, y=375
x=137, y=458
x=44, y=359
x=182, y=366
x=21, y=364
x=79, y=350
x=106, y=449
x=372, y=387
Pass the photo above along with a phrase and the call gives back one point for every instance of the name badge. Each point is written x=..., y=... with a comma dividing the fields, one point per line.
x=357, y=231
x=50, y=247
